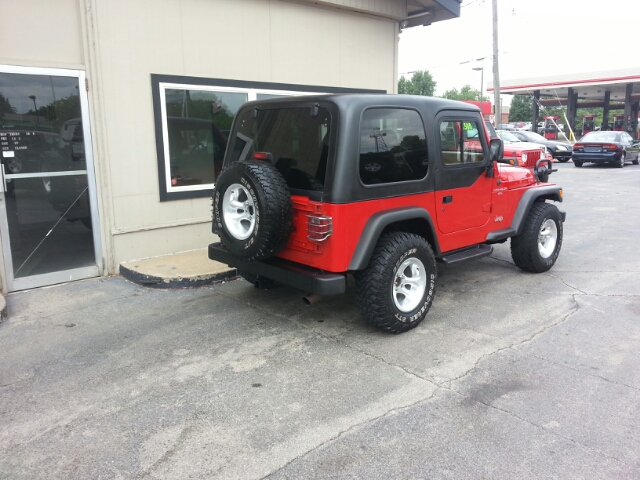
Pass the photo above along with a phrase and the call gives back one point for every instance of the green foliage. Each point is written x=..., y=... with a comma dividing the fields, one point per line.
x=182, y=104
x=421, y=83
x=62, y=110
x=521, y=109
x=5, y=106
x=465, y=93
x=598, y=112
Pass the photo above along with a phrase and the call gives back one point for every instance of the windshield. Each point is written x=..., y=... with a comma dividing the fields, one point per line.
x=297, y=139
x=601, y=137
x=508, y=137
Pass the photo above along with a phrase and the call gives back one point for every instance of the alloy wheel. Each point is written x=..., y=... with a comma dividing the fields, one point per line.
x=547, y=238
x=409, y=284
x=238, y=211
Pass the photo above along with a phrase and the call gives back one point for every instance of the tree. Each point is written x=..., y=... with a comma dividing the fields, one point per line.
x=5, y=106
x=521, y=109
x=465, y=93
x=421, y=83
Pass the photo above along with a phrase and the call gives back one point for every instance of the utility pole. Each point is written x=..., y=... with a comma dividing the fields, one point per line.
x=496, y=69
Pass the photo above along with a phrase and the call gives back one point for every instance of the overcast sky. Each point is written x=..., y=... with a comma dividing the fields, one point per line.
x=536, y=38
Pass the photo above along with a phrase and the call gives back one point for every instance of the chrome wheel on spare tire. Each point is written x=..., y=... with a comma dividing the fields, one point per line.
x=537, y=247
x=252, y=209
x=238, y=210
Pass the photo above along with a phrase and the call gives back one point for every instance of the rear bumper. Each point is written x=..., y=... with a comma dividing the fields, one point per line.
x=596, y=157
x=561, y=154
x=303, y=278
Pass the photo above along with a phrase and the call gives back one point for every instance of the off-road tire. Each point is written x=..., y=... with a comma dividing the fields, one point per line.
x=263, y=198
x=623, y=158
x=530, y=250
x=375, y=292
x=577, y=163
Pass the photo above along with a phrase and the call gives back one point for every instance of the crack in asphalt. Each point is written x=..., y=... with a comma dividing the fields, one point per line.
x=351, y=428
x=42, y=316
x=168, y=453
x=541, y=427
x=444, y=386
x=577, y=370
x=566, y=284
x=339, y=341
x=517, y=344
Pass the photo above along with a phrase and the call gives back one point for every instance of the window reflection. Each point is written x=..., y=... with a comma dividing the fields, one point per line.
x=38, y=119
x=393, y=146
x=47, y=207
x=198, y=124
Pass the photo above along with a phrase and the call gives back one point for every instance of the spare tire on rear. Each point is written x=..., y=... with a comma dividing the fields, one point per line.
x=252, y=209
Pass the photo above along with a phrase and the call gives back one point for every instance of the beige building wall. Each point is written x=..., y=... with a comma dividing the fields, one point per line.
x=38, y=33
x=120, y=43
x=255, y=40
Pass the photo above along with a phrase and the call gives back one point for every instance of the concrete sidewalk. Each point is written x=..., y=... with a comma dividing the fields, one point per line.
x=179, y=270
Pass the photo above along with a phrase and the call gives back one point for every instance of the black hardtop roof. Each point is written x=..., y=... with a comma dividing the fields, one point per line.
x=363, y=100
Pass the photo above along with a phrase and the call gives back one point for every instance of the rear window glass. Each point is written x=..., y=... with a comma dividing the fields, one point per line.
x=393, y=146
x=297, y=138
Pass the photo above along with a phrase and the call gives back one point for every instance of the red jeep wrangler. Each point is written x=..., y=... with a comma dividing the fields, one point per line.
x=377, y=186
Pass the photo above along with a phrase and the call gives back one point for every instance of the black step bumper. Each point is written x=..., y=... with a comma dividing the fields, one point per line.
x=306, y=279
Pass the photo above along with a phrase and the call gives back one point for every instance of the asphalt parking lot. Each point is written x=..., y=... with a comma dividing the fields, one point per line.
x=512, y=375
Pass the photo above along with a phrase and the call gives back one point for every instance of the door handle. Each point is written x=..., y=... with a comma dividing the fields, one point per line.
x=447, y=199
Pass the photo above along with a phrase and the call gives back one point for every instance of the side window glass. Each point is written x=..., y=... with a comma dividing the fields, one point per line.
x=460, y=142
x=393, y=146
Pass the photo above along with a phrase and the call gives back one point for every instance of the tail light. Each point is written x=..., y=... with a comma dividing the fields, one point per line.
x=611, y=147
x=319, y=228
x=264, y=156
x=578, y=146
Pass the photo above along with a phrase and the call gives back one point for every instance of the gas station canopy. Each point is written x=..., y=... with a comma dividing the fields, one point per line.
x=611, y=90
x=590, y=87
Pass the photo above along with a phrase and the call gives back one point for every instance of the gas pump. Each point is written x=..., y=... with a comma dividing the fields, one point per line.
x=550, y=127
x=588, y=124
x=618, y=121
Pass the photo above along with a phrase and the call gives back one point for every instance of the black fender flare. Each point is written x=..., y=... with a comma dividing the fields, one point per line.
x=547, y=192
x=375, y=226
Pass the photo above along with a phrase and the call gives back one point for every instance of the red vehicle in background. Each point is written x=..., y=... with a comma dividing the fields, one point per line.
x=526, y=154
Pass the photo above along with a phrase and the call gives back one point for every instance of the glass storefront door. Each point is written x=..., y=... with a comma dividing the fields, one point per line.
x=48, y=217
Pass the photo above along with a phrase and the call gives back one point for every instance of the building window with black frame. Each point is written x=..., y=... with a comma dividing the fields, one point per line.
x=193, y=117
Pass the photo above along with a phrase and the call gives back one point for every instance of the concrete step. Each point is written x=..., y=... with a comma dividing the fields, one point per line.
x=179, y=270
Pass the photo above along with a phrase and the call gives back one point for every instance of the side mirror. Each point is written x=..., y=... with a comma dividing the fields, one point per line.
x=496, y=147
